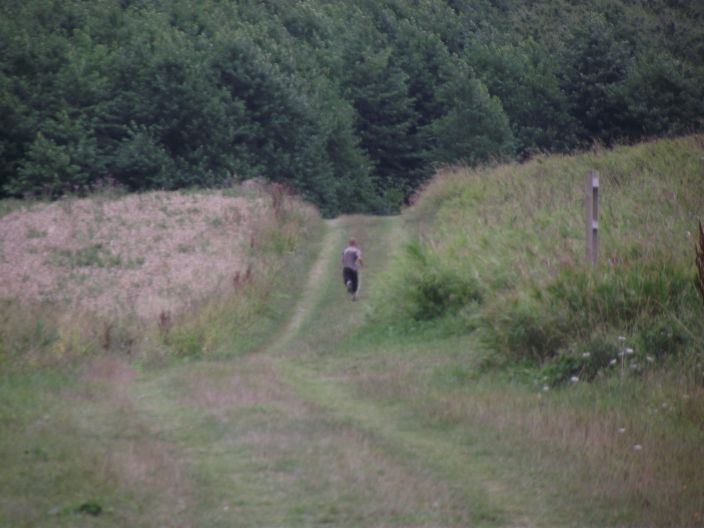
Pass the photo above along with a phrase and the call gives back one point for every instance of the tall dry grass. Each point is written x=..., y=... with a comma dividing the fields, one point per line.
x=514, y=235
x=134, y=274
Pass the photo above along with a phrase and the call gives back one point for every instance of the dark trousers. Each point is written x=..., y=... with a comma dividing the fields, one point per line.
x=350, y=275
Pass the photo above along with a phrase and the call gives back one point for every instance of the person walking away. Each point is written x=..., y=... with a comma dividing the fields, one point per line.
x=351, y=261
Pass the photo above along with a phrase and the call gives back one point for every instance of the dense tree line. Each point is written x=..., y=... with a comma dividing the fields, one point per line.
x=351, y=103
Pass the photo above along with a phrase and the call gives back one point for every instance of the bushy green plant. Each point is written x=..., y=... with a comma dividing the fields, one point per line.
x=585, y=363
x=432, y=289
x=663, y=337
x=47, y=170
x=522, y=328
x=576, y=303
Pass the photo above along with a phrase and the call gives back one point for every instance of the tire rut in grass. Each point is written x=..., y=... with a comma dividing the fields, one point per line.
x=264, y=456
x=268, y=442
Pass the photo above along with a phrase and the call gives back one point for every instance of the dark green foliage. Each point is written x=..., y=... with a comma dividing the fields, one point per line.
x=432, y=289
x=661, y=94
x=596, y=355
x=524, y=328
x=378, y=90
x=90, y=508
x=141, y=161
x=664, y=337
x=598, y=61
x=475, y=129
x=352, y=104
x=525, y=80
x=47, y=168
x=640, y=300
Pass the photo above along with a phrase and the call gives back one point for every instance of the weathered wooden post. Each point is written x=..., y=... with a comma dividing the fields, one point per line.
x=592, y=215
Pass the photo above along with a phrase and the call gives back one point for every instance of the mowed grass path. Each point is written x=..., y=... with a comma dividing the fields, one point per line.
x=308, y=431
x=283, y=438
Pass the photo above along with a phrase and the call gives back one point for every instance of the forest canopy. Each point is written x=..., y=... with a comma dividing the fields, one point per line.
x=352, y=104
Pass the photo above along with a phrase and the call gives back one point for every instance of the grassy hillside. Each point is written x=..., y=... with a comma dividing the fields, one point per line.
x=502, y=251
x=443, y=397
x=151, y=275
x=491, y=319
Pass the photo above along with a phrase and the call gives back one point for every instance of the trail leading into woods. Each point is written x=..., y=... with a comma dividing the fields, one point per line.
x=312, y=292
x=453, y=483
x=289, y=437
x=326, y=425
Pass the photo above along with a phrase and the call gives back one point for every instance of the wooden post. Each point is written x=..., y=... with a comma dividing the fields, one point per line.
x=592, y=215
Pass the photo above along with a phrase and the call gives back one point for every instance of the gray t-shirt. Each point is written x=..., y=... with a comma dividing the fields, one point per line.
x=350, y=256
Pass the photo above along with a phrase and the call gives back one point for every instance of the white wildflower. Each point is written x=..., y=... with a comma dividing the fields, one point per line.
x=629, y=351
x=621, y=430
x=545, y=388
x=650, y=359
x=586, y=355
x=574, y=379
x=621, y=338
x=613, y=362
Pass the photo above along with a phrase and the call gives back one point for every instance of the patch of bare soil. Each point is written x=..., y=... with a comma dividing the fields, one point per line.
x=139, y=255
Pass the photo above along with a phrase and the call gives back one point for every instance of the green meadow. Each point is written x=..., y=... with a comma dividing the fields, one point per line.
x=488, y=375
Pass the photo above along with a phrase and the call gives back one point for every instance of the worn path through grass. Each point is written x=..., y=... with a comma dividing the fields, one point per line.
x=300, y=433
x=278, y=439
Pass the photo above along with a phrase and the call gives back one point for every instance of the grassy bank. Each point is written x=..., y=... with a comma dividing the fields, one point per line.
x=501, y=251
x=150, y=276
x=497, y=323
x=407, y=408
x=80, y=443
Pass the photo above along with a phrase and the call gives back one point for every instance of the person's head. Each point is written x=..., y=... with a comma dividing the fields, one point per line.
x=352, y=241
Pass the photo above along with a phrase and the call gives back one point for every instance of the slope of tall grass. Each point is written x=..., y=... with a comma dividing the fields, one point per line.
x=78, y=447
x=597, y=371
x=513, y=235
x=208, y=282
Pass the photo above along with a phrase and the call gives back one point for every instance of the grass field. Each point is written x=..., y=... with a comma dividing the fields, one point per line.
x=354, y=414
